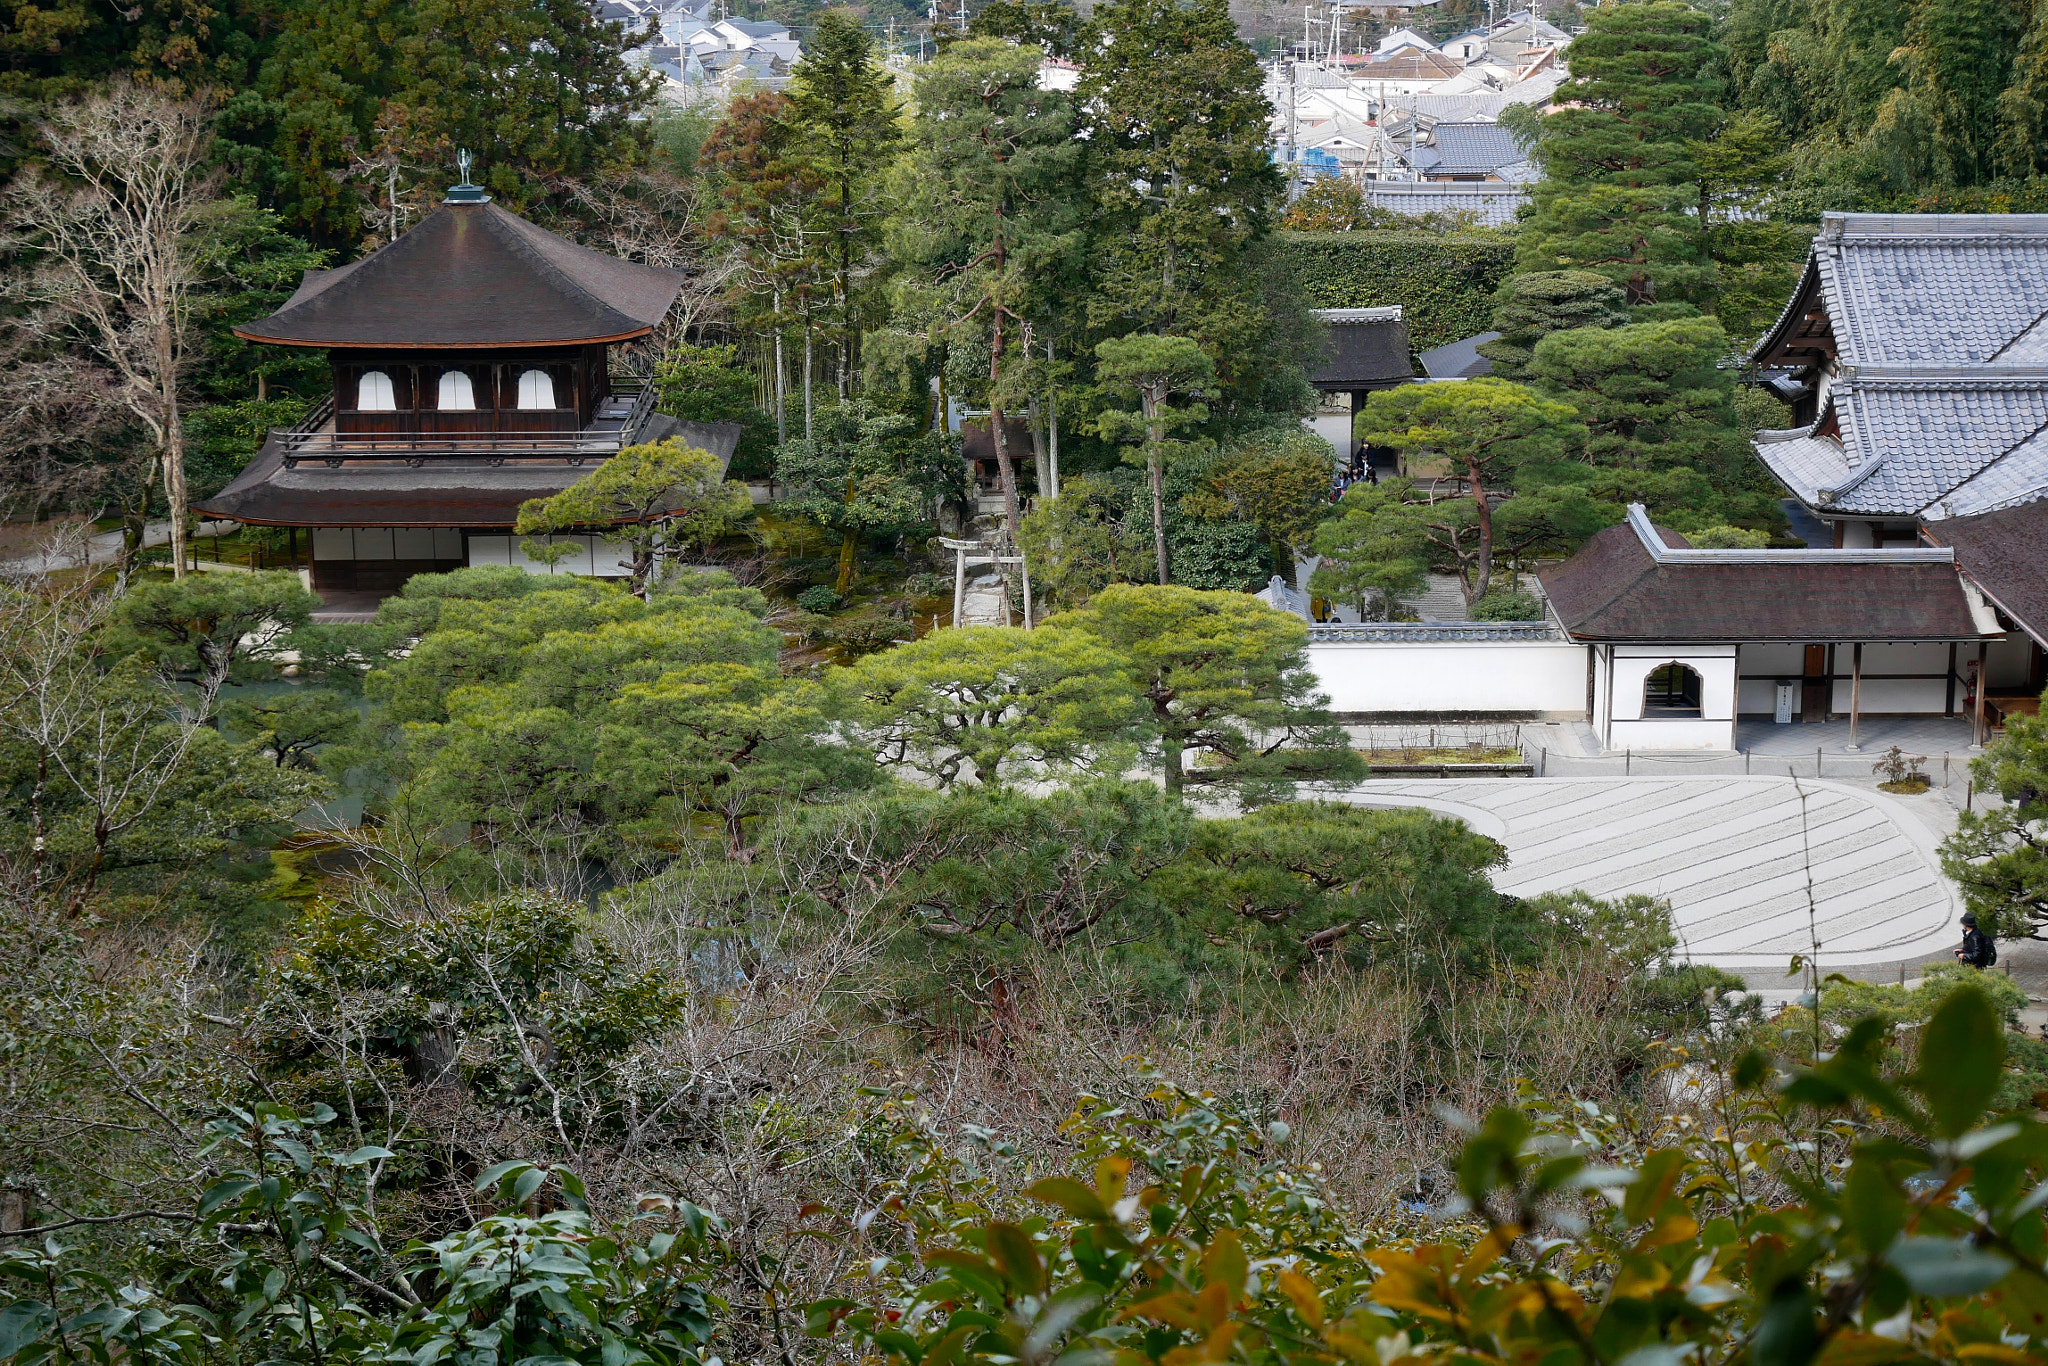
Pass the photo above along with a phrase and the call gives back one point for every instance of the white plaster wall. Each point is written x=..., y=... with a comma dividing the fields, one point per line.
x=386, y=543
x=1334, y=428
x=1452, y=676
x=1631, y=668
x=1647, y=735
x=1895, y=695
x=592, y=557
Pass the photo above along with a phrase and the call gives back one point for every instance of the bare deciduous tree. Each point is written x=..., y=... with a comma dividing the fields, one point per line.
x=117, y=223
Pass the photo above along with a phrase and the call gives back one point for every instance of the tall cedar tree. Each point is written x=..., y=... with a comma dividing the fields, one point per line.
x=1617, y=156
x=1176, y=104
x=845, y=121
x=994, y=205
x=764, y=189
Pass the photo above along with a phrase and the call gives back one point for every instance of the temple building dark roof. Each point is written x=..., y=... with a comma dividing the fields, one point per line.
x=2001, y=553
x=1639, y=582
x=446, y=493
x=473, y=275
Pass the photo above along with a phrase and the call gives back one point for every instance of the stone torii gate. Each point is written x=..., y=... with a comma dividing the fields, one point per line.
x=985, y=552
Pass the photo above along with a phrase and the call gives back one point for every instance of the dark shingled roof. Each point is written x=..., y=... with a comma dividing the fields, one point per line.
x=1614, y=590
x=473, y=275
x=2002, y=553
x=1368, y=349
x=468, y=493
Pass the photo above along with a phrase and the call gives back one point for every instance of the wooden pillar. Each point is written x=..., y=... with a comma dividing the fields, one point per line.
x=1983, y=682
x=1855, y=692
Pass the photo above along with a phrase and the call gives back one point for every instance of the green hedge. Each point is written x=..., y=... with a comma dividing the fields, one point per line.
x=1443, y=281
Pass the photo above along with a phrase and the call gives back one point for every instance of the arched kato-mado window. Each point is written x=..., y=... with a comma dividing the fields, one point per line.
x=374, y=393
x=536, y=389
x=456, y=393
x=1672, y=691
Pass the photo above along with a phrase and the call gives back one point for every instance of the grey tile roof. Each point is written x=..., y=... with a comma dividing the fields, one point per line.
x=1914, y=443
x=1907, y=289
x=1939, y=325
x=1474, y=147
x=1458, y=359
x=1494, y=203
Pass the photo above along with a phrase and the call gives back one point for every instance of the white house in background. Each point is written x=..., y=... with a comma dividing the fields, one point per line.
x=1466, y=46
x=1404, y=39
x=705, y=60
x=1057, y=73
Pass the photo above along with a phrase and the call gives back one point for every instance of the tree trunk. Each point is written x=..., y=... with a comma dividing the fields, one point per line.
x=1154, y=469
x=134, y=528
x=1158, y=478
x=846, y=549
x=1172, y=753
x=1011, y=511
x=1040, y=461
x=174, y=461
x=1484, y=576
x=807, y=378
x=781, y=378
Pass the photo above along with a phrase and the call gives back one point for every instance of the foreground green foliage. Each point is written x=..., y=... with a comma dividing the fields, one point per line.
x=1856, y=1206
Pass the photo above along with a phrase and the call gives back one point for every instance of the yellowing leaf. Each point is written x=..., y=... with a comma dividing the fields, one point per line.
x=1224, y=1263
x=1302, y=1291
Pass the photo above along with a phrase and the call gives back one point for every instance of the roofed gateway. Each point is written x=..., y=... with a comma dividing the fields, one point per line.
x=471, y=363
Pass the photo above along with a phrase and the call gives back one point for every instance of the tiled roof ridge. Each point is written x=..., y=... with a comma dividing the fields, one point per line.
x=1931, y=227
x=1974, y=376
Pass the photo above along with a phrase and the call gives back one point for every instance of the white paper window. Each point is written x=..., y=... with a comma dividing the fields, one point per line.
x=456, y=391
x=374, y=393
x=536, y=389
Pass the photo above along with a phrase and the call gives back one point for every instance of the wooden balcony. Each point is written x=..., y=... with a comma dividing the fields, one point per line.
x=420, y=438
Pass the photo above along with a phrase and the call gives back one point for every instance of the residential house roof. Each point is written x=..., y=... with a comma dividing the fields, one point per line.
x=1491, y=203
x=1404, y=38
x=2000, y=552
x=1475, y=148
x=1405, y=66
x=1926, y=339
x=472, y=274
x=1641, y=582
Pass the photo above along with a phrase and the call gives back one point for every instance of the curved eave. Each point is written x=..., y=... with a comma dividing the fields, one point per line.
x=247, y=335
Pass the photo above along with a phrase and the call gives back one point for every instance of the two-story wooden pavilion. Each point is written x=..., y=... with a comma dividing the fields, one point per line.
x=471, y=372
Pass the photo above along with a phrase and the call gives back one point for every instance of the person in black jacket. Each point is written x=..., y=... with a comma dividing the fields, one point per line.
x=1977, y=950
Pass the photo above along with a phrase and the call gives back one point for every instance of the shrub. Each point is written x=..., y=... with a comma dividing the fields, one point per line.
x=1507, y=604
x=1444, y=282
x=819, y=597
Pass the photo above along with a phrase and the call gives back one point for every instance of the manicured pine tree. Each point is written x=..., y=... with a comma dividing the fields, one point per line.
x=1537, y=303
